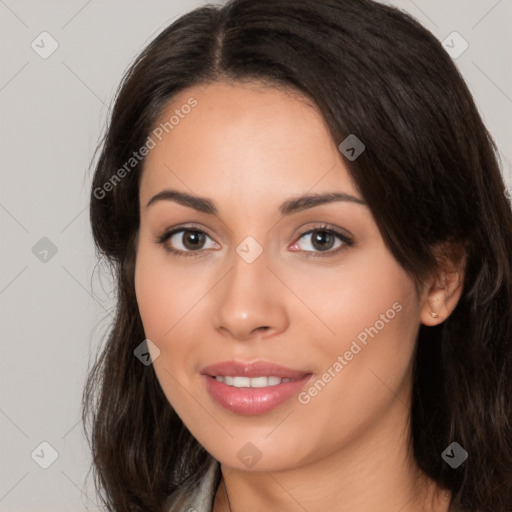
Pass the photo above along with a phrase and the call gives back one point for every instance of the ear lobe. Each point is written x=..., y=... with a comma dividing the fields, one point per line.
x=442, y=297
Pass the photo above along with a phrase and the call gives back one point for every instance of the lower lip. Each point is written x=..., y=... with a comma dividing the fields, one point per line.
x=252, y=401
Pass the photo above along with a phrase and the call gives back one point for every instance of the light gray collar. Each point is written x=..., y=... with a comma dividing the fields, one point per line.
x=204, y=497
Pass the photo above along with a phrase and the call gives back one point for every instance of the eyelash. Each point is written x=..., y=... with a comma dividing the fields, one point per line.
x=347, y=241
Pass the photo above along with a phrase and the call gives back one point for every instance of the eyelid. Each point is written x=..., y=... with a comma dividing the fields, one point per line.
x=342, y=235
x=345, y=238
x=168, y=233
x=165, y=233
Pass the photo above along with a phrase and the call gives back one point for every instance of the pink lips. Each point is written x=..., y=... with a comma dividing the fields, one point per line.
x=248, y=400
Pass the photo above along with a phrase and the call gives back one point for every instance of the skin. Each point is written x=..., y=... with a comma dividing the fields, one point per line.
x=249, y=147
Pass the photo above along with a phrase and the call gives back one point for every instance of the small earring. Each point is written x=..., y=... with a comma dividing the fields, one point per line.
x=434, y=315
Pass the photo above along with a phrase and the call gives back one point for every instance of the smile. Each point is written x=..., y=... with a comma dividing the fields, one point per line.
x=252, y=388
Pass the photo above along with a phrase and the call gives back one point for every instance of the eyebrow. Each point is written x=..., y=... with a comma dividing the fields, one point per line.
x=292, y=205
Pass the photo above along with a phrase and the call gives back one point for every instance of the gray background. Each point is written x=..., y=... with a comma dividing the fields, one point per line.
x=53, y=111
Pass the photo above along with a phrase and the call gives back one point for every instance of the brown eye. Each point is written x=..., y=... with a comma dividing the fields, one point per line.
x=192, y=240
x=323, y=241
x=185, y=241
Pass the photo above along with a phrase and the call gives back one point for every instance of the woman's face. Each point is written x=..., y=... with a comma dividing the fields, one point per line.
x=262, y=288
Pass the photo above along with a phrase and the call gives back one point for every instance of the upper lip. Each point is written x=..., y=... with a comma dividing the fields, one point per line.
x=254, y=369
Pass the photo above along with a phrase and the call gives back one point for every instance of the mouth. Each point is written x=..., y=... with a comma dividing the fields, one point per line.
x=252, y=388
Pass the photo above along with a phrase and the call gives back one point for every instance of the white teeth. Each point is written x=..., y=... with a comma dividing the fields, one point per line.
x=272, y=381
x=260, y=382
x=251, y=382
x=241, y=382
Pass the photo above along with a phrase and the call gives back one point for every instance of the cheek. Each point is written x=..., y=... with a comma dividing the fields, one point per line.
x=380, y=295
x=163, y=296
x=368, y=296
x=169, y=302
x=153, y=292
x=163, y=302
x=372, y=313
x=364, y=367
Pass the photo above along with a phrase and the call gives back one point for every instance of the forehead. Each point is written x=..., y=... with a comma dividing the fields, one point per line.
x=249, y=141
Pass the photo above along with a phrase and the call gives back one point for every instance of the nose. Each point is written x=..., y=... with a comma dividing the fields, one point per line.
x=250, y=301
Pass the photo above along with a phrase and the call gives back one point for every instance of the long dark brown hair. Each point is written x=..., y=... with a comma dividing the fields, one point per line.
x=430, y=176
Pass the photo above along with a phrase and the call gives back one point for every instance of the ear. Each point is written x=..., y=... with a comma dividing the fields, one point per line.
x=442, y=292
